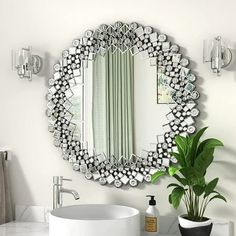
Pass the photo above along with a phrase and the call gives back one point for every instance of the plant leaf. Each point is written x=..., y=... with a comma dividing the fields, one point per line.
x=173, y=185
x=216, y=192
x=209, y=143
x=189, y=157
x=181, y=180
x=181, y=144
x=198, y=190
x=172, y=170
x=176, y=196
x=170, y=201
x=210, y=187
x=203, y=160
x=179, y=158
x=157, y=175
x=195, y=141
x=192, y=176
x=219, y=196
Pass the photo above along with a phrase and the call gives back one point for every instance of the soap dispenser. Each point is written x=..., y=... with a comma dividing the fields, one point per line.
x=151, y=217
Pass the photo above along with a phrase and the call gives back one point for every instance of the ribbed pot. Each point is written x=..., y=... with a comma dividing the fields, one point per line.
x=194, y=228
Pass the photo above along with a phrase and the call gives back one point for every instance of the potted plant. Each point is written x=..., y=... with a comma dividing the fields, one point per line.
x=193, y=159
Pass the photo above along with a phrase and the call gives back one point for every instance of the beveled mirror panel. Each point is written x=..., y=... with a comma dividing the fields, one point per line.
x=115, y=91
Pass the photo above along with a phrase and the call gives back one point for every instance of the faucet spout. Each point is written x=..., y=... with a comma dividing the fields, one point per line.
x=58, y=190
x=71, y=191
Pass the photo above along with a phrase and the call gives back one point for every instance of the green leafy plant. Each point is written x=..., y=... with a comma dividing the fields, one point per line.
x=193, y=159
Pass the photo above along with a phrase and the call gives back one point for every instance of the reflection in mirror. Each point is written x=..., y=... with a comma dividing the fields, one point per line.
x=164, y=91
x=149, y=116
x=113, y=104
x=77, y=109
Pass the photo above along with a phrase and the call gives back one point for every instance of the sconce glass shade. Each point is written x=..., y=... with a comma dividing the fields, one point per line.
x=25, y=63
x=217, y=53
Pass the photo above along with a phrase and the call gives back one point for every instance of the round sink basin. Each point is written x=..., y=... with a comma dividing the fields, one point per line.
x=94, y=220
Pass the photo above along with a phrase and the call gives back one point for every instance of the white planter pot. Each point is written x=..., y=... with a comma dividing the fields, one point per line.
x=185, y=223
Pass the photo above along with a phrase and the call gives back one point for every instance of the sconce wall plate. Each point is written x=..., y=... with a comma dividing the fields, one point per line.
x=25, y=63
x=217, y=53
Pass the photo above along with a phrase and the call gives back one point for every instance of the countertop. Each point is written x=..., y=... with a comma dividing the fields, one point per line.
x=24, y=229
x=31, y=229
x=17, y=228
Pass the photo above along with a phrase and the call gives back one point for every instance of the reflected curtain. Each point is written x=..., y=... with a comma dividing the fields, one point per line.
x=113, y=104
x=6, y=213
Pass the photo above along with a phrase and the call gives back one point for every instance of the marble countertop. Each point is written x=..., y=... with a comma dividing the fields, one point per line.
x=41, y=229
x=24, y=229
x=32, y=229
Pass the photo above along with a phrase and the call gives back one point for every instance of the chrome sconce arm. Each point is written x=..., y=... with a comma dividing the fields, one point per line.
x=217, y=53
x=25, y=63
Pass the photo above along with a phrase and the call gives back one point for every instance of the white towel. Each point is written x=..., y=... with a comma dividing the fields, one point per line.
x=6, y=213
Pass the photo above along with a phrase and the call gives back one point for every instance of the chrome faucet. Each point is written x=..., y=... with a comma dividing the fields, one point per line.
x=58, y=190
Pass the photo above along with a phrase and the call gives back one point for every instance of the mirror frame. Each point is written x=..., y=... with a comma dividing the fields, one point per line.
x=153, y=46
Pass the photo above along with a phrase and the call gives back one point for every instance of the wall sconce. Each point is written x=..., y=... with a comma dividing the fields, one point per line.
x=217, y=53
x=25, y=63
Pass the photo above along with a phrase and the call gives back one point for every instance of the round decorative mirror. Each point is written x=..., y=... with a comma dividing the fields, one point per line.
x=114, y=91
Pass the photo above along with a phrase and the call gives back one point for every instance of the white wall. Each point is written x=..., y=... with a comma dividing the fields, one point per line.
x=50, y=26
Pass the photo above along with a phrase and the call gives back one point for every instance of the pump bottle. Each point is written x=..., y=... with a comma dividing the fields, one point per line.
x=151, y=217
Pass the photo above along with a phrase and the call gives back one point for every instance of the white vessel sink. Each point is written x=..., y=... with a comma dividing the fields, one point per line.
x=94, y=220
